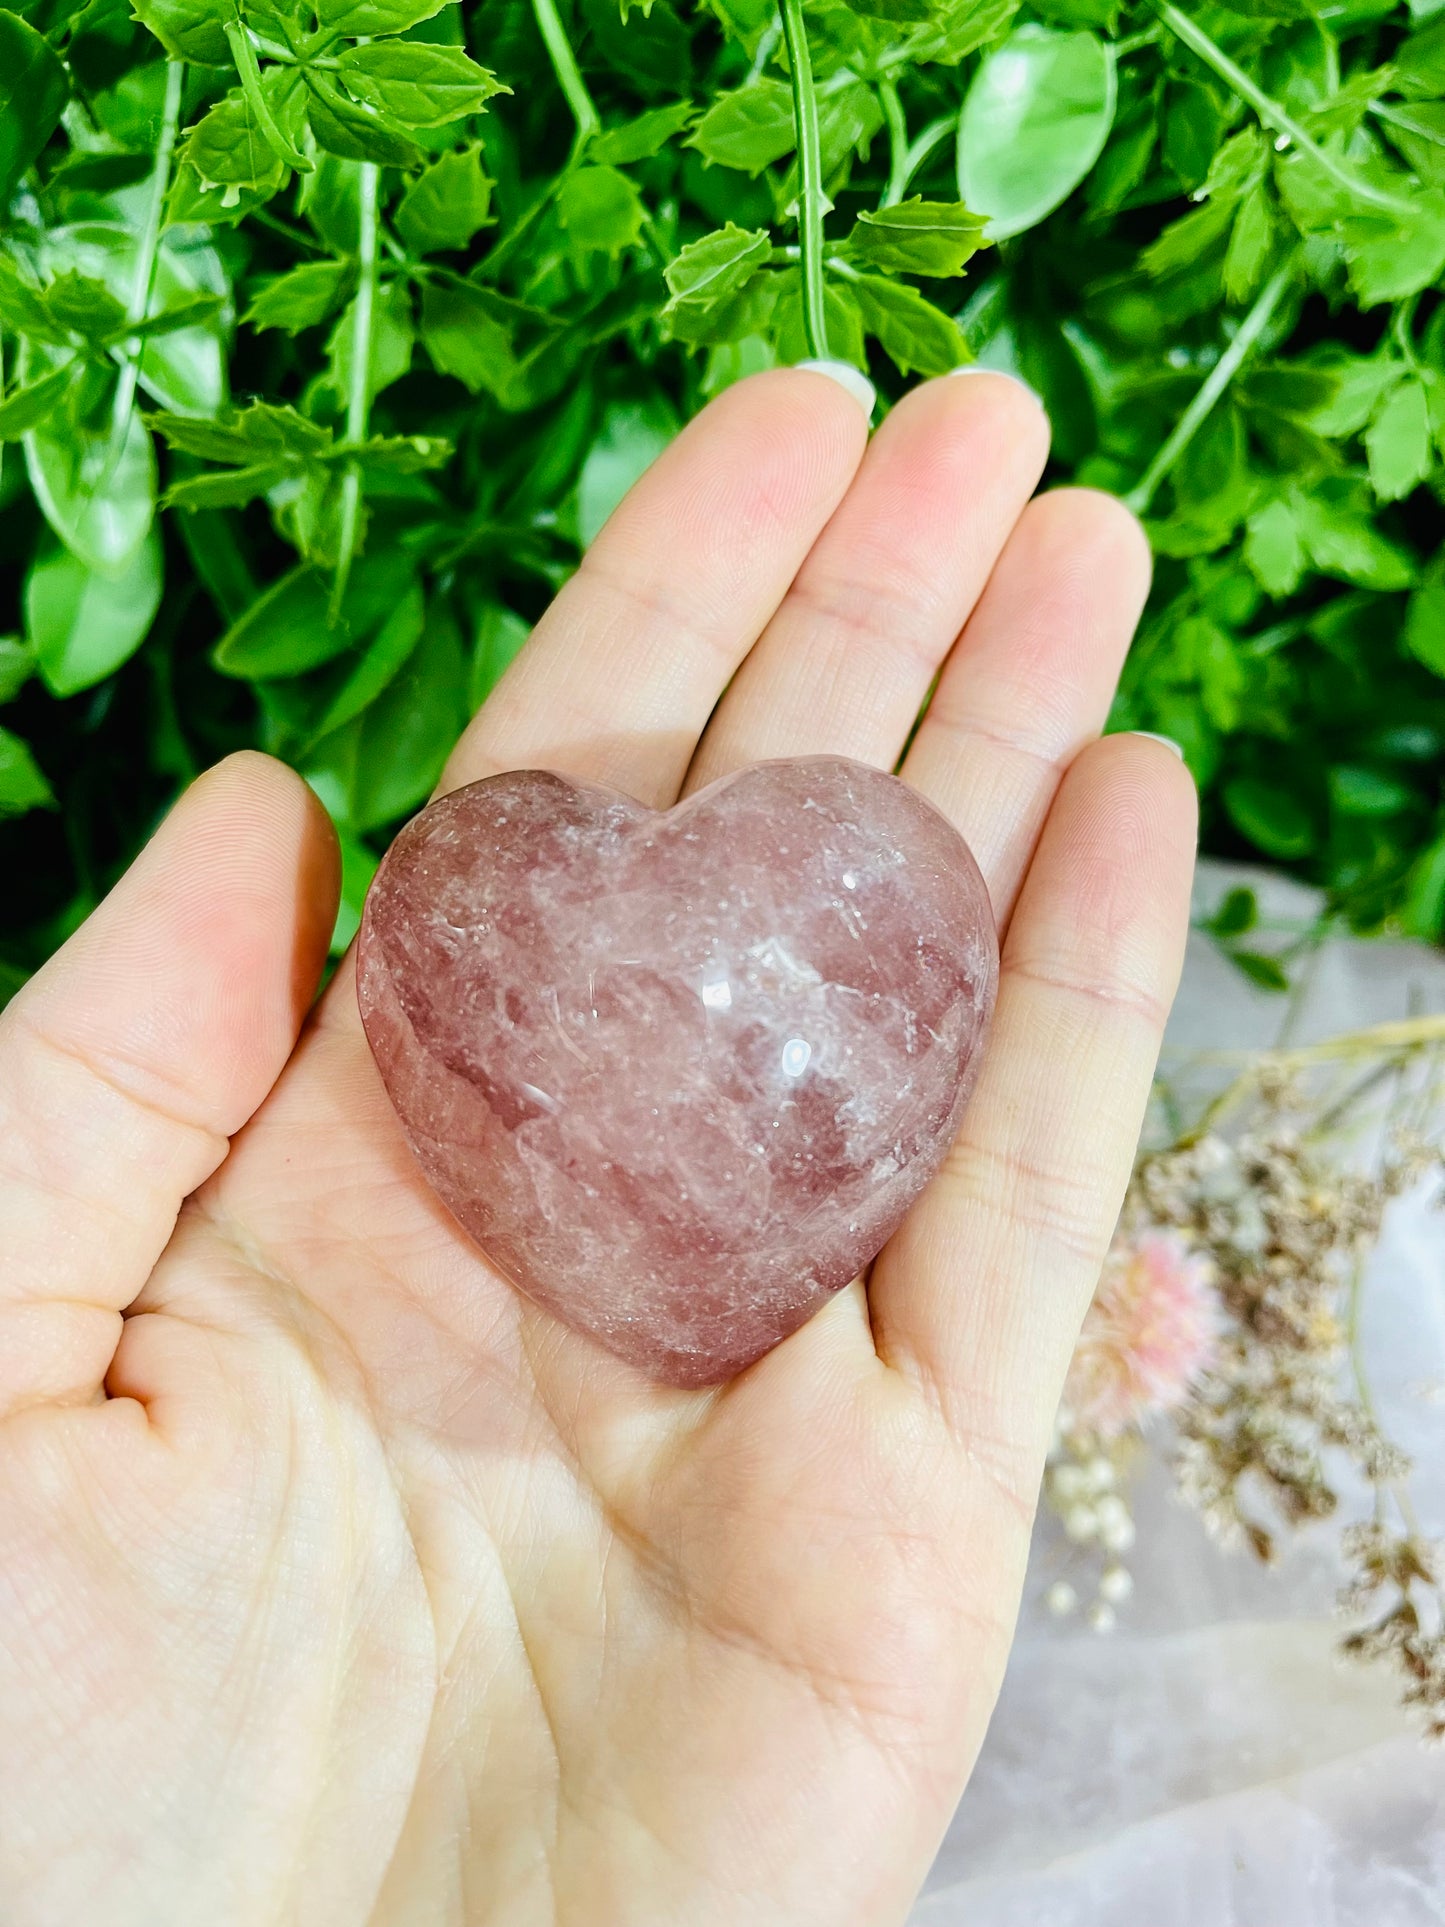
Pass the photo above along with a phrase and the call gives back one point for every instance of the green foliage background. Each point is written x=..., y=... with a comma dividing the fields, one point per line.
x=330, y=338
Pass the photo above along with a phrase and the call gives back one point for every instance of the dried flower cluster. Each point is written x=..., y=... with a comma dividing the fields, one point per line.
x=1230, y=1305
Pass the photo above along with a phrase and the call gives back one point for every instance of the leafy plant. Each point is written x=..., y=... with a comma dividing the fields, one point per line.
x=332, y=329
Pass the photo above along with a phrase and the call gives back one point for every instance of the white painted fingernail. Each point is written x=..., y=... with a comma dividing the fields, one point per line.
x=848, y=377
x=977, y=368
x=1153, y=736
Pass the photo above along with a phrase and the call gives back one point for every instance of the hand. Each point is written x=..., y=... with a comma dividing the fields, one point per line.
x=340, y=1584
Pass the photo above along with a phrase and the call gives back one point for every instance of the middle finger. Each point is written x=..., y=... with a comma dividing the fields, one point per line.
x=845, y=664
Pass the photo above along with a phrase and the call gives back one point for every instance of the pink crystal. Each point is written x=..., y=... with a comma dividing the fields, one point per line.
x=680, y=1074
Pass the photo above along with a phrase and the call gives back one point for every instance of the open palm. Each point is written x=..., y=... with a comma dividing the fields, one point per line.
x=340, y=1584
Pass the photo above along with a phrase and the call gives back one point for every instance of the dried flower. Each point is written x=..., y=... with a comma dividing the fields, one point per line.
x=1231, y=1302
x=1148, y=1335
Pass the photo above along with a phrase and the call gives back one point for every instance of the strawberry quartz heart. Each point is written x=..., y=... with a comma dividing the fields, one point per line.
x=680, y=1074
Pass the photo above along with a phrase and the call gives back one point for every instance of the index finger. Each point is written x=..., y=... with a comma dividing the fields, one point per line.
x=620, y=676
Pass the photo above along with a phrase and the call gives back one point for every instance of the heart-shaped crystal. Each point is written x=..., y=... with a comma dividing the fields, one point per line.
x=680, y=1074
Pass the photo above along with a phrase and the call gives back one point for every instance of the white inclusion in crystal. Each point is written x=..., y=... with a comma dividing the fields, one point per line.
x=773, y=954
x=850, y=882
x=796, y=1053
x=718, y=996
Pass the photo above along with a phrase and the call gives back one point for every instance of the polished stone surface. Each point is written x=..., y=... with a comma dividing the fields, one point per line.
x=680, y=1074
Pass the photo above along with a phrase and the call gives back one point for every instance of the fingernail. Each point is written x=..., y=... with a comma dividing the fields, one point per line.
x=848, y=377
x=1153, y=736
x=1007, y=374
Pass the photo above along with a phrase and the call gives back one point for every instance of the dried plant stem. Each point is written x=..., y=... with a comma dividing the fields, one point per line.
x=1402, y=1035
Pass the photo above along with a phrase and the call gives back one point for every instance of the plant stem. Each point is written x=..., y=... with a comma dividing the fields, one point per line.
x=564, y=66
x=1269, y=109
x=295, y=235
x=897, y=143
x=904, y=160
x=936, y=132
x=812, y=202
x=145, y=261
x=1218, y=379
x=1136, y=42
x=358, y=396
x=249, y=74
x=1401, y=1035
x=767, y=42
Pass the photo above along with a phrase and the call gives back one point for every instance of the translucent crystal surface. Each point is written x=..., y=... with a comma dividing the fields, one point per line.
x=680, y=1074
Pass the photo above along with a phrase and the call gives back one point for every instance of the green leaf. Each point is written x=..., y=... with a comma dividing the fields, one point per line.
x=633, y=435
x=356, y=17
x=381, y=659
x=1419, y=62
x=408, y=732
x=84, y=625
x=22, y=785
x=446, y=204
x=301, y=298
x=1273, y=548
x=392, y=339
x=393, y=454
x=918, y=337
x=17, y=665
x=790, y=340
x=1251, y=245
x=82, y=305
x=1390, y=261
x=230, y=488
x=640, y=139
x=1343, y=541
x=260, y=431
x=1358, y=791
x=1419, y=133
x=748, y=129
x=33, y=93
x=500, y=635
x=1211, y=658
x=97, y=493
x=958, y=28
x=918, y=237
x=22, y=307
x=903, y=12
x=1360, y=384
x=355, y=133
x=1237, y=914
x=288, y=630
x=1261, y=969
x=421, y=86
x=747, y=311
x=1422, y=914
x=717, y=266
x=1398, y=442
x=464, y=330
x=847, y=121
x=600, y=210
x=1425, y=622
x=1269, y=816
x=25, y=408
x=1035, y=119
x=358, y=867
x=229, y=151
x=188, y=29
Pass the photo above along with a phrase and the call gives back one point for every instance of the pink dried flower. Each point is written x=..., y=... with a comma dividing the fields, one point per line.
x=1149, y=1333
